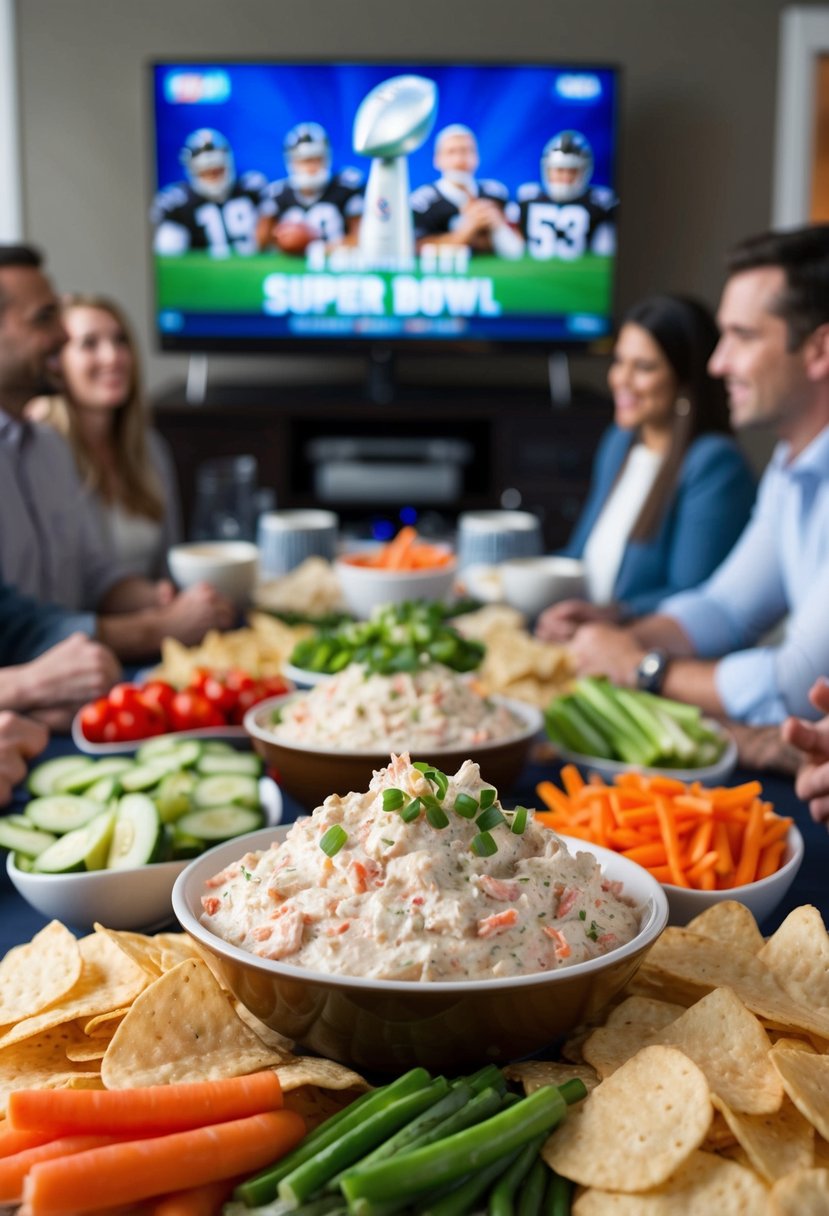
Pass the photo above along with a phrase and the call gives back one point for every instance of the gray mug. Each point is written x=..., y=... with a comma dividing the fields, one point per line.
x=287, y=538
x=489, y=537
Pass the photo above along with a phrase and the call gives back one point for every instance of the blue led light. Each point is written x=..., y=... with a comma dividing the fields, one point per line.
x=408, y=515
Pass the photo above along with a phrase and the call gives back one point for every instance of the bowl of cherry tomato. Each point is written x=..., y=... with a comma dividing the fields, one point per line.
x=212, y=705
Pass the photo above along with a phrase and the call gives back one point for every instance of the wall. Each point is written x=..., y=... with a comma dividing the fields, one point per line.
x=698, y=120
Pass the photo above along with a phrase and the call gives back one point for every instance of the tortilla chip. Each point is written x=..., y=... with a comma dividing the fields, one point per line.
x=775, y=1144
x=636, y=1128
x=629, y=1027
x=315, y=1070
x=802, y=1193
x=38, y=973
x=108, y=980
x=39, y=1063
x=535, y=1074
x=731, y=922
x=140, y=947
x=316, y=1105
x=271, y=1038
x=685, y=966
x=805, y=1078
x=182, y=1028
x=798, y=957
x=704, y=1183
x=731, y=1047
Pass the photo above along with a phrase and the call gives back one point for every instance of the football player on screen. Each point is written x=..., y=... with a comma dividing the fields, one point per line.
x=213, y=210
x=460, y=209
x=311, y=203
x=563, y=216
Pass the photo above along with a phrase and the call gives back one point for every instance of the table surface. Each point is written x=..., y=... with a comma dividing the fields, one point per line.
x=19, y=922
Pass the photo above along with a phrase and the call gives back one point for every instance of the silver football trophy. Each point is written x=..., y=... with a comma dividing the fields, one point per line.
x=392, y=120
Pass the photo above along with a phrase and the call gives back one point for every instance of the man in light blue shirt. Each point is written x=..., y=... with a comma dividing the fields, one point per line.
x=706, y=646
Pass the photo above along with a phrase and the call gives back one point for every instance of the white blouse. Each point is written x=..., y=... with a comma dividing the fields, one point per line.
x=606, y=543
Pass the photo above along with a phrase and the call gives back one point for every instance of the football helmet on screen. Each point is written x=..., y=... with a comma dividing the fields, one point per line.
x=304, y=142
x=208, y=163
x=566, y=166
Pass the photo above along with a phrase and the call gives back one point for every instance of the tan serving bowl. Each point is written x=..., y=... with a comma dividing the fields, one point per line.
x=388, y=1025
x=311, y=773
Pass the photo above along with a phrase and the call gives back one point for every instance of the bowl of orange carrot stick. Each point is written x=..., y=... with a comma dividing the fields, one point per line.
x=703, y=843
x=407, y=568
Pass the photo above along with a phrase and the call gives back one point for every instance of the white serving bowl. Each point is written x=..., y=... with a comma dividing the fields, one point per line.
x=231, y=566
x=366, y=587
x=139, y=899
x=761, y=898
x=531, y=584
x=390, y=1025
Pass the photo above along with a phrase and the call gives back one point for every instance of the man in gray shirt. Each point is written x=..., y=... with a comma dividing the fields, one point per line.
x=51, y=547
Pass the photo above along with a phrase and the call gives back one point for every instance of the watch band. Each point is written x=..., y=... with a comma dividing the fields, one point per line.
x=650, y=671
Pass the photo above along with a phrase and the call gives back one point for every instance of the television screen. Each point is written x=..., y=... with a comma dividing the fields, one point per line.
x=301, y=204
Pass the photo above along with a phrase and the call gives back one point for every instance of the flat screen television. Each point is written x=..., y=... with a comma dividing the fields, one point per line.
x=349, y=205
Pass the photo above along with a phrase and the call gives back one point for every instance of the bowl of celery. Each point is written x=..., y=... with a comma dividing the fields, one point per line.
x=609, y=729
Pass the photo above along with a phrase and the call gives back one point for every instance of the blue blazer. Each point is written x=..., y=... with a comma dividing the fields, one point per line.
x=709, y=509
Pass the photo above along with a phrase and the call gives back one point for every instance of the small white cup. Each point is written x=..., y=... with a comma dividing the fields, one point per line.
x=287, y=538
x=488, y=537
x=230, y=566
x=531, y=584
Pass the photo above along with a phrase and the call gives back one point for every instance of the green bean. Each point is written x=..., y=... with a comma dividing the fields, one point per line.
x=558, y=1197
x=448, y=1160
x=573, y=1091
x=489, y=1075
x=312, y=1175
x=463, y=1198
x=261, y=1187
x=501, y=1196
x=532, y=1192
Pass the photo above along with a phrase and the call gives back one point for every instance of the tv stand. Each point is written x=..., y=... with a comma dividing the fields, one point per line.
x=380, y=376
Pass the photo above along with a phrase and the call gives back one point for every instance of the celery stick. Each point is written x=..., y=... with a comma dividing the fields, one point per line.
x=573, y=729
x=629, y=741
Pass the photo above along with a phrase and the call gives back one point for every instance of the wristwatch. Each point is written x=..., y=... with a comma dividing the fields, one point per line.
x=650, y=671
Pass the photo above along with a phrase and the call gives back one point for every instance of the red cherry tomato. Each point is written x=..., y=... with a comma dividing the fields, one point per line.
x=275, y=686
x=237, y=680
x=93, y=719
x=157, y=695
x=131, y=724
x=198, y=679
x=247, y=698
x=124, y=696
x=219, y=694
x=192, y=711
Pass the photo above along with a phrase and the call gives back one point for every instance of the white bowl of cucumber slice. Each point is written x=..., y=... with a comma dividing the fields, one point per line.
x=104, y=840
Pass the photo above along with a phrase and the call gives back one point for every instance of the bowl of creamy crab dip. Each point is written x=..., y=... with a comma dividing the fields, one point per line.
x=420, y=922
x=331, y=738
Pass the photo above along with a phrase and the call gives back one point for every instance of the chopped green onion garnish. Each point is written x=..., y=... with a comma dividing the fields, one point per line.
x=437, y=816
x=411, y=811
x=437, y=778
x=484, y=845
x=488, y=796
x=490, y=818
x=333, y=840
x=466, y=805
x=393, y=800
x=519, y=820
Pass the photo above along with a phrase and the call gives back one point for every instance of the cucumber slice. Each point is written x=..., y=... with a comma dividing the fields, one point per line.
x=185, y=847
x=219, y=823
x=188, y=752
x=27, y=840
x=217, y=747
x=83, y=848
x=24, y=863
x=246, y=763
x=62, y=812
x=138, y=833
x=43, y=776
x=78, y=782
x=145, y=776
x=224, y=789
x=174, y=795
x=161, y=745
x=104, y=790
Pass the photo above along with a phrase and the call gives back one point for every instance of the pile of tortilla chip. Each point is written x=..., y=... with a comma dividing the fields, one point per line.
x=312, y=588
x=516, y=664
x=261, y=648
x=709, y=1082
x=116, y=1009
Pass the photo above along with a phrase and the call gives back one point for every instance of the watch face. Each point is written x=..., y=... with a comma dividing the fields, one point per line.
x=650, y=664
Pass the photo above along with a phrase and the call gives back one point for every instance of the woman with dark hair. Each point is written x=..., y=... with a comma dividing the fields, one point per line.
x=671, y=491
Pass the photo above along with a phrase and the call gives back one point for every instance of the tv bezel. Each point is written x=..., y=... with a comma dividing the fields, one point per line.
x=355, y=344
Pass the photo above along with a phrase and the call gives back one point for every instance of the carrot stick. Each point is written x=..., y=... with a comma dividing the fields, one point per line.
x=700, y=841
x=14, y=1169
x=139, y=1169
x=14, y=1140
x=704, y=864
x=394, y=554
x=770, y=858
x=654, y=854
x=552, y=797
x=204, y=1200
x=667, y=824
x=151, y=1109
x=572, y=780
x=747, y=862
x=725, y=862
x=737, y=795
x=665, y=785
x=776, y=830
